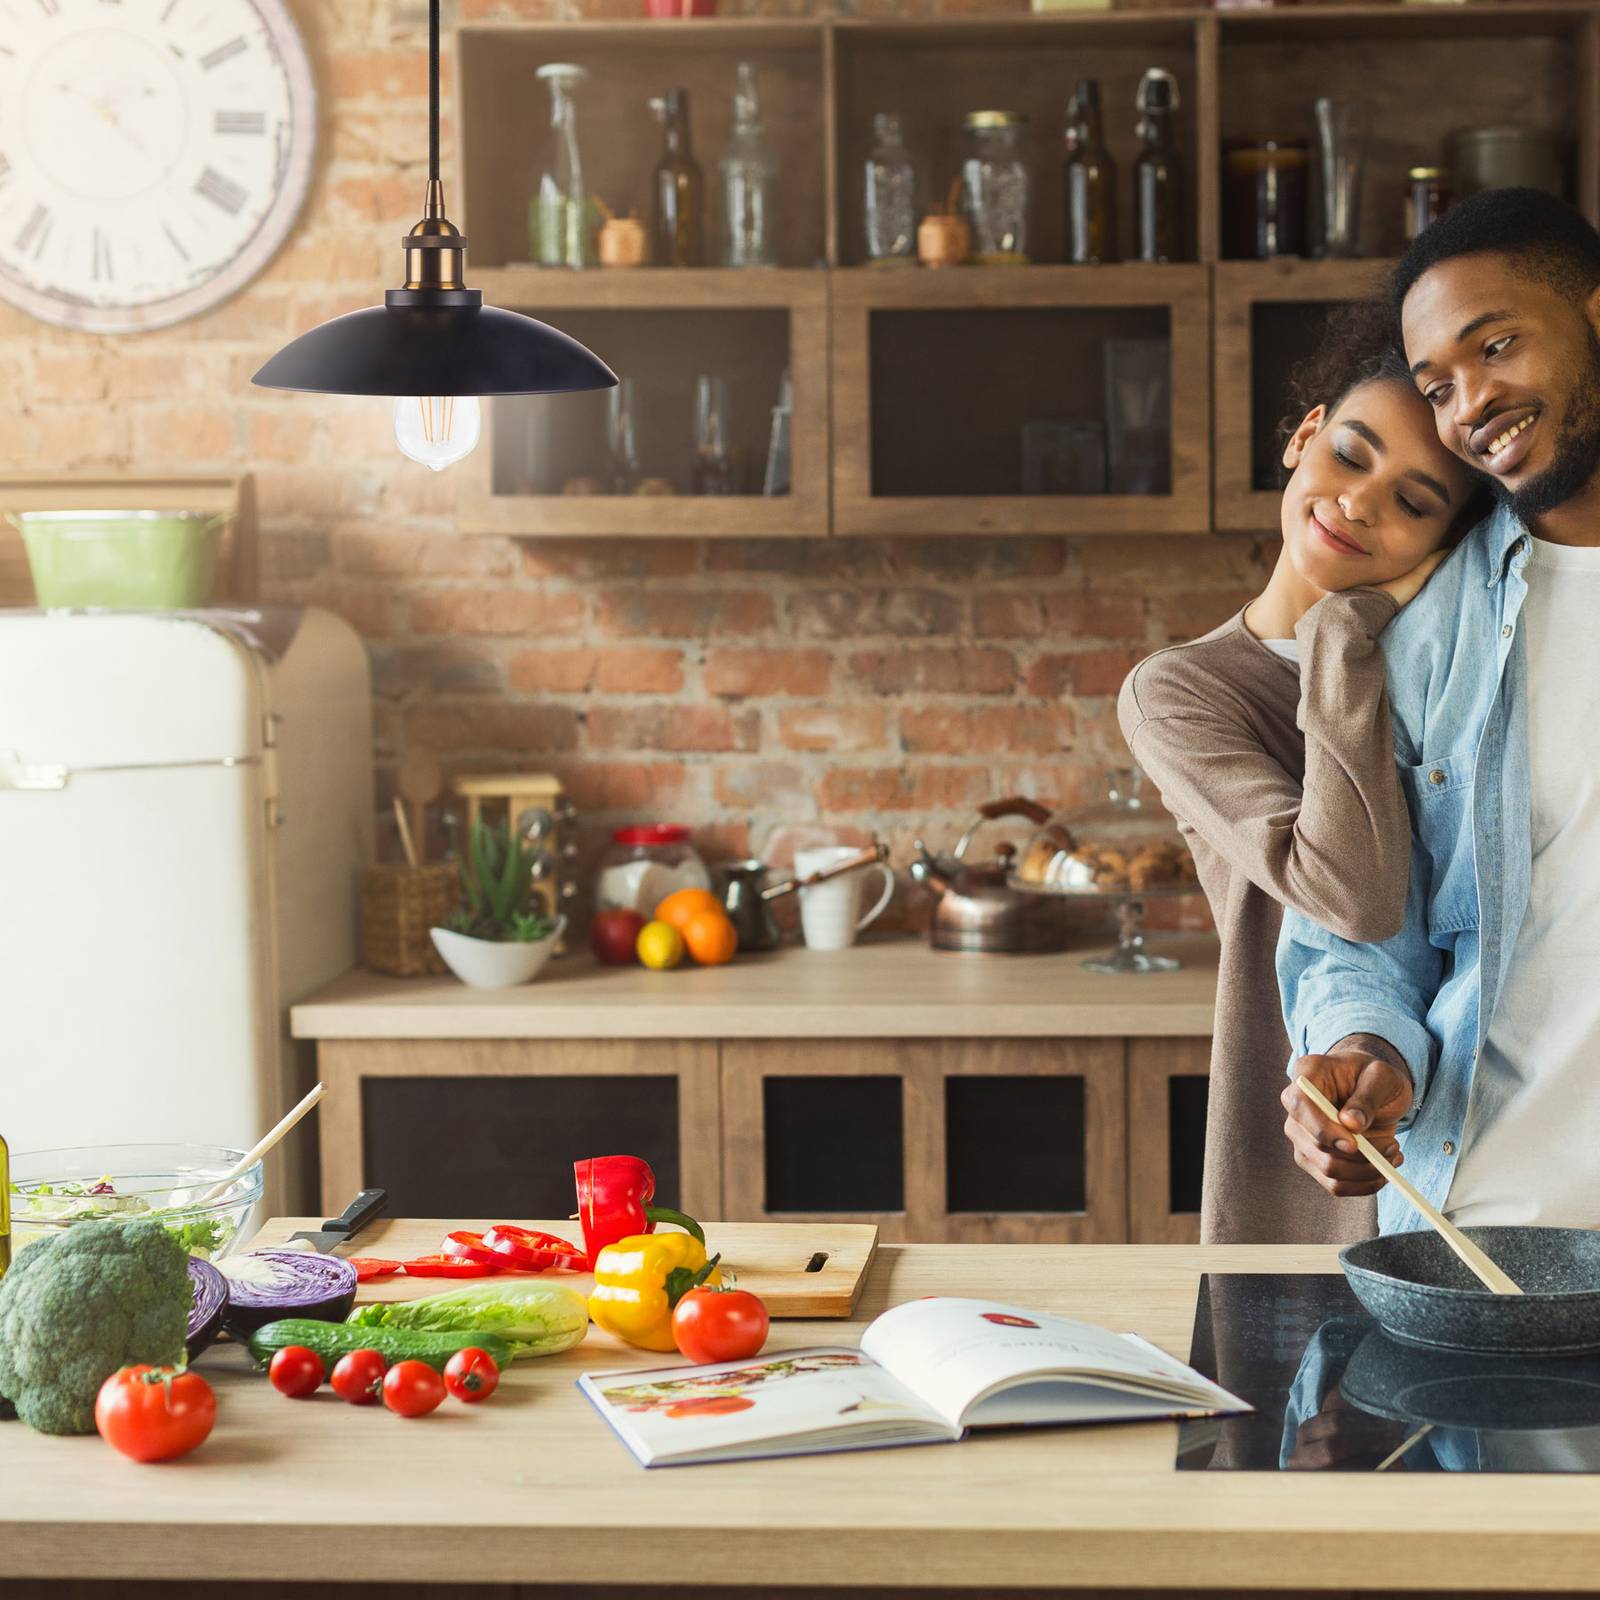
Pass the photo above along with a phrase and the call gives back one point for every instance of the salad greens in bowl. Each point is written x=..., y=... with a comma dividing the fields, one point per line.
x=173, y=1184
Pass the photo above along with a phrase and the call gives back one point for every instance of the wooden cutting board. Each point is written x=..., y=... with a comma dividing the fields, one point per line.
x=800, y=1269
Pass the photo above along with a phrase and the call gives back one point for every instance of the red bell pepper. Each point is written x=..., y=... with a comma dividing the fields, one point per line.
x=530, y=1251
x=614, y=1195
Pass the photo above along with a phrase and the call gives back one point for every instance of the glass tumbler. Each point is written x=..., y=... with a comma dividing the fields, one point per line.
x=1341, y=155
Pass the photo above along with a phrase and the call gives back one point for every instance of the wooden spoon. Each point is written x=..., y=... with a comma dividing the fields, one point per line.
x=1487, y=1272
x=419, y=781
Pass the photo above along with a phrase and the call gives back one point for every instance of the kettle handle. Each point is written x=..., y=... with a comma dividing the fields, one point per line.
x=1014, y=805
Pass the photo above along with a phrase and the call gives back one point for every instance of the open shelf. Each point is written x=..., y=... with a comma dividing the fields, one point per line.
x=1269, y=315
x=660, y=329
x=952, y=377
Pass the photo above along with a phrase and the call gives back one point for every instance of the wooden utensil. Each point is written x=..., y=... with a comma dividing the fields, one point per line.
x=263, y=1145
x=1487, y=1272
x=419, y=782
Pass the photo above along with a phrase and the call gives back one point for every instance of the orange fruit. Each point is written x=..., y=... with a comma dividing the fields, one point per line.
x=711, y=938
x=659, y=945
x=683, y=904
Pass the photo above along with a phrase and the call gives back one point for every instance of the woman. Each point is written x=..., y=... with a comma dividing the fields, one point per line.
x=1269, y=739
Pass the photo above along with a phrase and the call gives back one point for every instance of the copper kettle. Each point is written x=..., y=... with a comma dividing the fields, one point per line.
x=978, y=910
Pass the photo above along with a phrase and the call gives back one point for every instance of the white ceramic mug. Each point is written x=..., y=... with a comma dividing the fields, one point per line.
x=830, y=913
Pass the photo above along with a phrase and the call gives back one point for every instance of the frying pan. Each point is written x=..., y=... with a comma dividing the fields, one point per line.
x=1422, y=1294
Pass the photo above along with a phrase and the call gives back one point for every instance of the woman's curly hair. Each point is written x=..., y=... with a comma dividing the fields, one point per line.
x=1360, y=342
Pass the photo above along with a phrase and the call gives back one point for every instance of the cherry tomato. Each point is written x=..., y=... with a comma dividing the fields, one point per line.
x=154, y=1413
x=446, y=1267
x=532, y=1251
x=471, y=1375
x=368, y=1267
x=412, y=1388
x=469, y=1247
x=358, y=1377
x=296, y=1371
x=719, y=1324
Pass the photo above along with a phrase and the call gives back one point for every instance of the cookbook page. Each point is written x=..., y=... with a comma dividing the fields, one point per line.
x=671, y=1412
x=952, y=1351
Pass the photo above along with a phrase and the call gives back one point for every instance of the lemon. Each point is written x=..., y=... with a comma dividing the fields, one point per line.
x=659, y=945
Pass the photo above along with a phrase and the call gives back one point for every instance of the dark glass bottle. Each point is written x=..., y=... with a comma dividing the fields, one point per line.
x=1090, y=180
x=678, y=211
x=1158, y=176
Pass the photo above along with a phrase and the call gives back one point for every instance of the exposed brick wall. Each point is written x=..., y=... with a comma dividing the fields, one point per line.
x=889, y=685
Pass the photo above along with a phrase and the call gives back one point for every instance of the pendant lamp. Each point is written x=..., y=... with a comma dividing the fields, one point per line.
x=433, y=343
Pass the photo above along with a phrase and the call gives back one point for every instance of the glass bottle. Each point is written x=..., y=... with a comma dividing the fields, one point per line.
x=1090, y=180
x=997, y=184
x=677, y=221
x=5, y=1208
x=563, y=235
x=749, y=173
x=1158, y=175
x=890, y=203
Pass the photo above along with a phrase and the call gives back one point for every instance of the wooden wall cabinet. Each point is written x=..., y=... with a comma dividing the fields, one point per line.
x=1167, y=1080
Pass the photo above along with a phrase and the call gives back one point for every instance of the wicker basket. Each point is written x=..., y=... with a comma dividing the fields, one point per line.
x=398, y=906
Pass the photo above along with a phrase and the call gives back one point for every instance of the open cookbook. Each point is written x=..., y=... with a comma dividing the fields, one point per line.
x=926, y=1372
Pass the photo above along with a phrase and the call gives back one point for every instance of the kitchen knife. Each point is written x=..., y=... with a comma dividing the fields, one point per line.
x=357, y=1215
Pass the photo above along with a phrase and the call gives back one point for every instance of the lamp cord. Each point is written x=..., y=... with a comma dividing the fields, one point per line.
x=433, y=91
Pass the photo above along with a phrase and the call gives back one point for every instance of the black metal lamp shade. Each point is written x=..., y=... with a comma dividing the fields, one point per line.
x=435, y=349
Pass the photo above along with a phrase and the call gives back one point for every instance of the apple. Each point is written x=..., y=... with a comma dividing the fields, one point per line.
x=613, y=936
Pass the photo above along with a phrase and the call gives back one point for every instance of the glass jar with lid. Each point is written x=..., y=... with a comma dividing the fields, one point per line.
x=644, y=864
x=997, y=186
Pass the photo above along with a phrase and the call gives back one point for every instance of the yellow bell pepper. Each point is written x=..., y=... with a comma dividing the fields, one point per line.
x=638, y=1280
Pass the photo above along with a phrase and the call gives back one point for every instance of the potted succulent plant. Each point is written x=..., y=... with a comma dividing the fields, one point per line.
x=498, y=936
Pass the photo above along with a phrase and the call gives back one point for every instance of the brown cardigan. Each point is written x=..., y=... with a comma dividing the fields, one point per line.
x=1285, y=786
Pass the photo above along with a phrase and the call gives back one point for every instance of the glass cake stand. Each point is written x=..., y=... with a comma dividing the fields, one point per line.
x=1128, y=904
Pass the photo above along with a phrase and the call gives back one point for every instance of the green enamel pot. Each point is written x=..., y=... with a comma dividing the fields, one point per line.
x=125, y=560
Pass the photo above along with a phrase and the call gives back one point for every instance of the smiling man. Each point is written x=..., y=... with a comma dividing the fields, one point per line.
x=1473, y=1033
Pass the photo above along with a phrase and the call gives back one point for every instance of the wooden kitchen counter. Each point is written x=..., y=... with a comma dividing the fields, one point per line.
x=534, y=1488
x=886, y=989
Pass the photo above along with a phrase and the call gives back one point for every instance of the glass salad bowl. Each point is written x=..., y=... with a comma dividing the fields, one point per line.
x=1121, y=851
x=173, y=1184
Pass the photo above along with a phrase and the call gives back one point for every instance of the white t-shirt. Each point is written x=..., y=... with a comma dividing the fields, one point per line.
x=1529, y=1150
x=1289, y=649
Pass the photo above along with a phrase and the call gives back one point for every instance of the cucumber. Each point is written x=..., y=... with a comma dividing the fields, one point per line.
x=334, y=1339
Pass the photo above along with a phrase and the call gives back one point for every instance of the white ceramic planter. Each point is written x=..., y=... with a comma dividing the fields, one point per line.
x=493, y=964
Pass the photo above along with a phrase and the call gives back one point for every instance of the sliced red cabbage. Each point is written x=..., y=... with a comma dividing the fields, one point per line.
x=210, y=1300
x=268, y=1284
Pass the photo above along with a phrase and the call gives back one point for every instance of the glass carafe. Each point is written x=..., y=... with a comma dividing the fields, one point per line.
x=890, y=199
x=749, y=179
x=563, y=232
x=677, y=217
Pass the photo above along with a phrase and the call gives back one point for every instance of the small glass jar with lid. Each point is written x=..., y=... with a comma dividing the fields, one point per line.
x=1427, y=198
x=644, y=864
x=997, y=186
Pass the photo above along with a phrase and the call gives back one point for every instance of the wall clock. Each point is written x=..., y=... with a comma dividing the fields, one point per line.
x=153, y=154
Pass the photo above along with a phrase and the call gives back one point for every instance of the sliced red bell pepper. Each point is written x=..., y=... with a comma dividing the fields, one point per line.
x=614, y=1195
x=528, y=1250
x=446, y=1267
x=465, y=1246
x=369, y=1267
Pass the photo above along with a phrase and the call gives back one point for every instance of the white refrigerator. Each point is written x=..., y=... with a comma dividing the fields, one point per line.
x=186, y=805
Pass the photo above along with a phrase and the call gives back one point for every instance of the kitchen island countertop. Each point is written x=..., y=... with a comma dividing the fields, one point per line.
x=532, y=1487
x=893, y=988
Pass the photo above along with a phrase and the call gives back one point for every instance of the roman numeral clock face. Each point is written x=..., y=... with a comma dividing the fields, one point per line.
x=153, y=154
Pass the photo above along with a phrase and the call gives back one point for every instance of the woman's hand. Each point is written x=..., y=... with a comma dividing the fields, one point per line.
x=1404, y=589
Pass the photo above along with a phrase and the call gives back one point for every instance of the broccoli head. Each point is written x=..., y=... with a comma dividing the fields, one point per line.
x=76, y=1306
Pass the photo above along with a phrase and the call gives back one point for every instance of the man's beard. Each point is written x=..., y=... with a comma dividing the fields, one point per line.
x=1577, y=457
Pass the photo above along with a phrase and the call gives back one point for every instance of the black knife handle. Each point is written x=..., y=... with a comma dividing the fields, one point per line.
x=358, y=1213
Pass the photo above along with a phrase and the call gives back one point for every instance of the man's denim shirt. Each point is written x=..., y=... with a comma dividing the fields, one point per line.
x=1457, y=680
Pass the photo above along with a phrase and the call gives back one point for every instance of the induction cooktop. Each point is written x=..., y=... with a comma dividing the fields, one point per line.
x=1334, y=1394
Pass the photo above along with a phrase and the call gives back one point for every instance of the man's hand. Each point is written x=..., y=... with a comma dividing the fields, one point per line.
x=1366, y=1078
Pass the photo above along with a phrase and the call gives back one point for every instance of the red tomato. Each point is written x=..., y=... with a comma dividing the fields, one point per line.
x=719, y=1324
x=446, y=1267
x=714, y=1405
x=154, y=1413
x=471, y=1375
x=469, y=1247
x=531, y=1251
x=412, y=1388
x=372, y=1267
x=296, y=1371
x=358, y=1377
